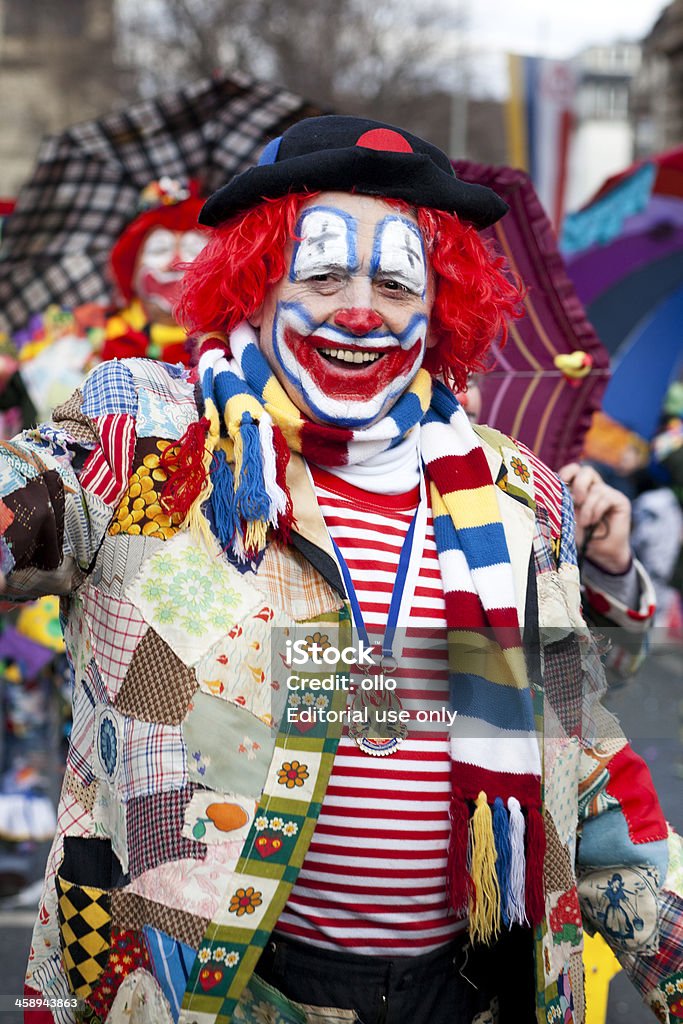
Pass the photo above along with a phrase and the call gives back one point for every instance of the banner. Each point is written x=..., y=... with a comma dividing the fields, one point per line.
x=540, y=119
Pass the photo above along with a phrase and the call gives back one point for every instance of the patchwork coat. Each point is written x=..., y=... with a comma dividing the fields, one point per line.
x=189, y=798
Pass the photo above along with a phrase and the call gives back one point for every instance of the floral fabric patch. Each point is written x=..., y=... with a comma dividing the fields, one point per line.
x=247, y=901
x=243, y=667
x=193, y=886
x=191, y=597
x=128, y=953
x=224, y=742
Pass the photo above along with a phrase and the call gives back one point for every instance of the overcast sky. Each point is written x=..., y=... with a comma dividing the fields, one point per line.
x=496, y=27
x=560, y=29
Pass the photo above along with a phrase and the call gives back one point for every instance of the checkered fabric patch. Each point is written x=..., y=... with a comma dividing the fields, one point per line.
x=542, y=545
x=86, y=183
x=84, y=931
x=291, y=584
x=109, y=390
x=154, y=826
x=116, y=628
x=157, y=686
x=71, y=418
x=649, y=972
x=132, y=911
x=155, y=759
x=557, y=868
x=563, y=676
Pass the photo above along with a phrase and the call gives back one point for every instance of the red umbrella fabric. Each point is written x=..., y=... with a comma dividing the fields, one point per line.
x=545, y=384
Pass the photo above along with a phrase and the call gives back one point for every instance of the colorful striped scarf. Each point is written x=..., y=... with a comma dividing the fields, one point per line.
x=237, y=454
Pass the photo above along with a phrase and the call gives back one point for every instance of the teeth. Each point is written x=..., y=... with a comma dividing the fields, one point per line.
x=345, y=355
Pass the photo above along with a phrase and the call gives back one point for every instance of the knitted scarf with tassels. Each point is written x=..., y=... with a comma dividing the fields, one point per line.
x=237, y=454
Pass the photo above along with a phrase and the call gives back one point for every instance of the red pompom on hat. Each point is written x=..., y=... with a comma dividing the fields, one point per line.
x=176, y=209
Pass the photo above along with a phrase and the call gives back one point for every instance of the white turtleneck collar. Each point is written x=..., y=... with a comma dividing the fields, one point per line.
x=394, y=471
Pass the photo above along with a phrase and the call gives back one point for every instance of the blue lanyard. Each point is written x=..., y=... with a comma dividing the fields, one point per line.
x=396, y=597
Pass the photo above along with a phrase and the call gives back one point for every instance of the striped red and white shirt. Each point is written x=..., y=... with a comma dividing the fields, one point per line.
x=374, y=877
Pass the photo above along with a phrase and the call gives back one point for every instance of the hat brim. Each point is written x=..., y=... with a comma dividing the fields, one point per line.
x=413, y=177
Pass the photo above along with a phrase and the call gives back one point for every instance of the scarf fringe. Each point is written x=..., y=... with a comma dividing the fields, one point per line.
x=501, y=837
x=516, y=907
x=223, y=499
x=535, y=843
x=457, y=874
x=495, y=864
x=246, y=501
x=484, y=917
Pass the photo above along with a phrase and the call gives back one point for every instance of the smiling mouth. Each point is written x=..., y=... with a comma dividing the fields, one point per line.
x=348, y=356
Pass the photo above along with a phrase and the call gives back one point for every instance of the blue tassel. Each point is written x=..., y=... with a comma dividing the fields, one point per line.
x=251, y=496
x=501, y=835
x=223, y=499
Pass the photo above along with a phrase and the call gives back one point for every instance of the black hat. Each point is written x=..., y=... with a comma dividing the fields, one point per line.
x=345, y=154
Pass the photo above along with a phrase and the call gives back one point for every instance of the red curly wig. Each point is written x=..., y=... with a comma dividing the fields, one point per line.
x=474, y=298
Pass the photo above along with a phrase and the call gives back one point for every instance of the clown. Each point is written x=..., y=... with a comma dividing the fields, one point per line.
x=240, y=838
x=146, y=265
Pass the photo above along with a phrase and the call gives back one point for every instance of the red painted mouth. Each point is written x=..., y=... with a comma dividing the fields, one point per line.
x=154, y=289
x=351, y=381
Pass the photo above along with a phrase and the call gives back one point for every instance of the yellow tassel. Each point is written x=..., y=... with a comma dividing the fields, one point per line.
x=485, y=908
x=255, y=536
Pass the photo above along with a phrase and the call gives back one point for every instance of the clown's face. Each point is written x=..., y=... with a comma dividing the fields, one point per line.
x=156, y=281
x=345, y=330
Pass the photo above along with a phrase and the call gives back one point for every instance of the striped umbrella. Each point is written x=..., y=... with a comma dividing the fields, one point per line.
x=545, y=384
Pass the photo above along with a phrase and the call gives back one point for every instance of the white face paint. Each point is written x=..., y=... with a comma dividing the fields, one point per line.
x=157, y=275
x=400, y=254
x=327, y=241
x=345, y=330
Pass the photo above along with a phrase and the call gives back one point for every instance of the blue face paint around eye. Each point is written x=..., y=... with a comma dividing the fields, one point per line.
x=326, y=239
x=400, y=254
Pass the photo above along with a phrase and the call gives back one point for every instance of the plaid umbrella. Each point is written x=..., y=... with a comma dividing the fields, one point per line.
x=86, y=183
x=545, y=384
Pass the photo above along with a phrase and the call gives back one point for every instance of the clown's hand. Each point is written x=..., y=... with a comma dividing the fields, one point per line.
x=603, y=518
